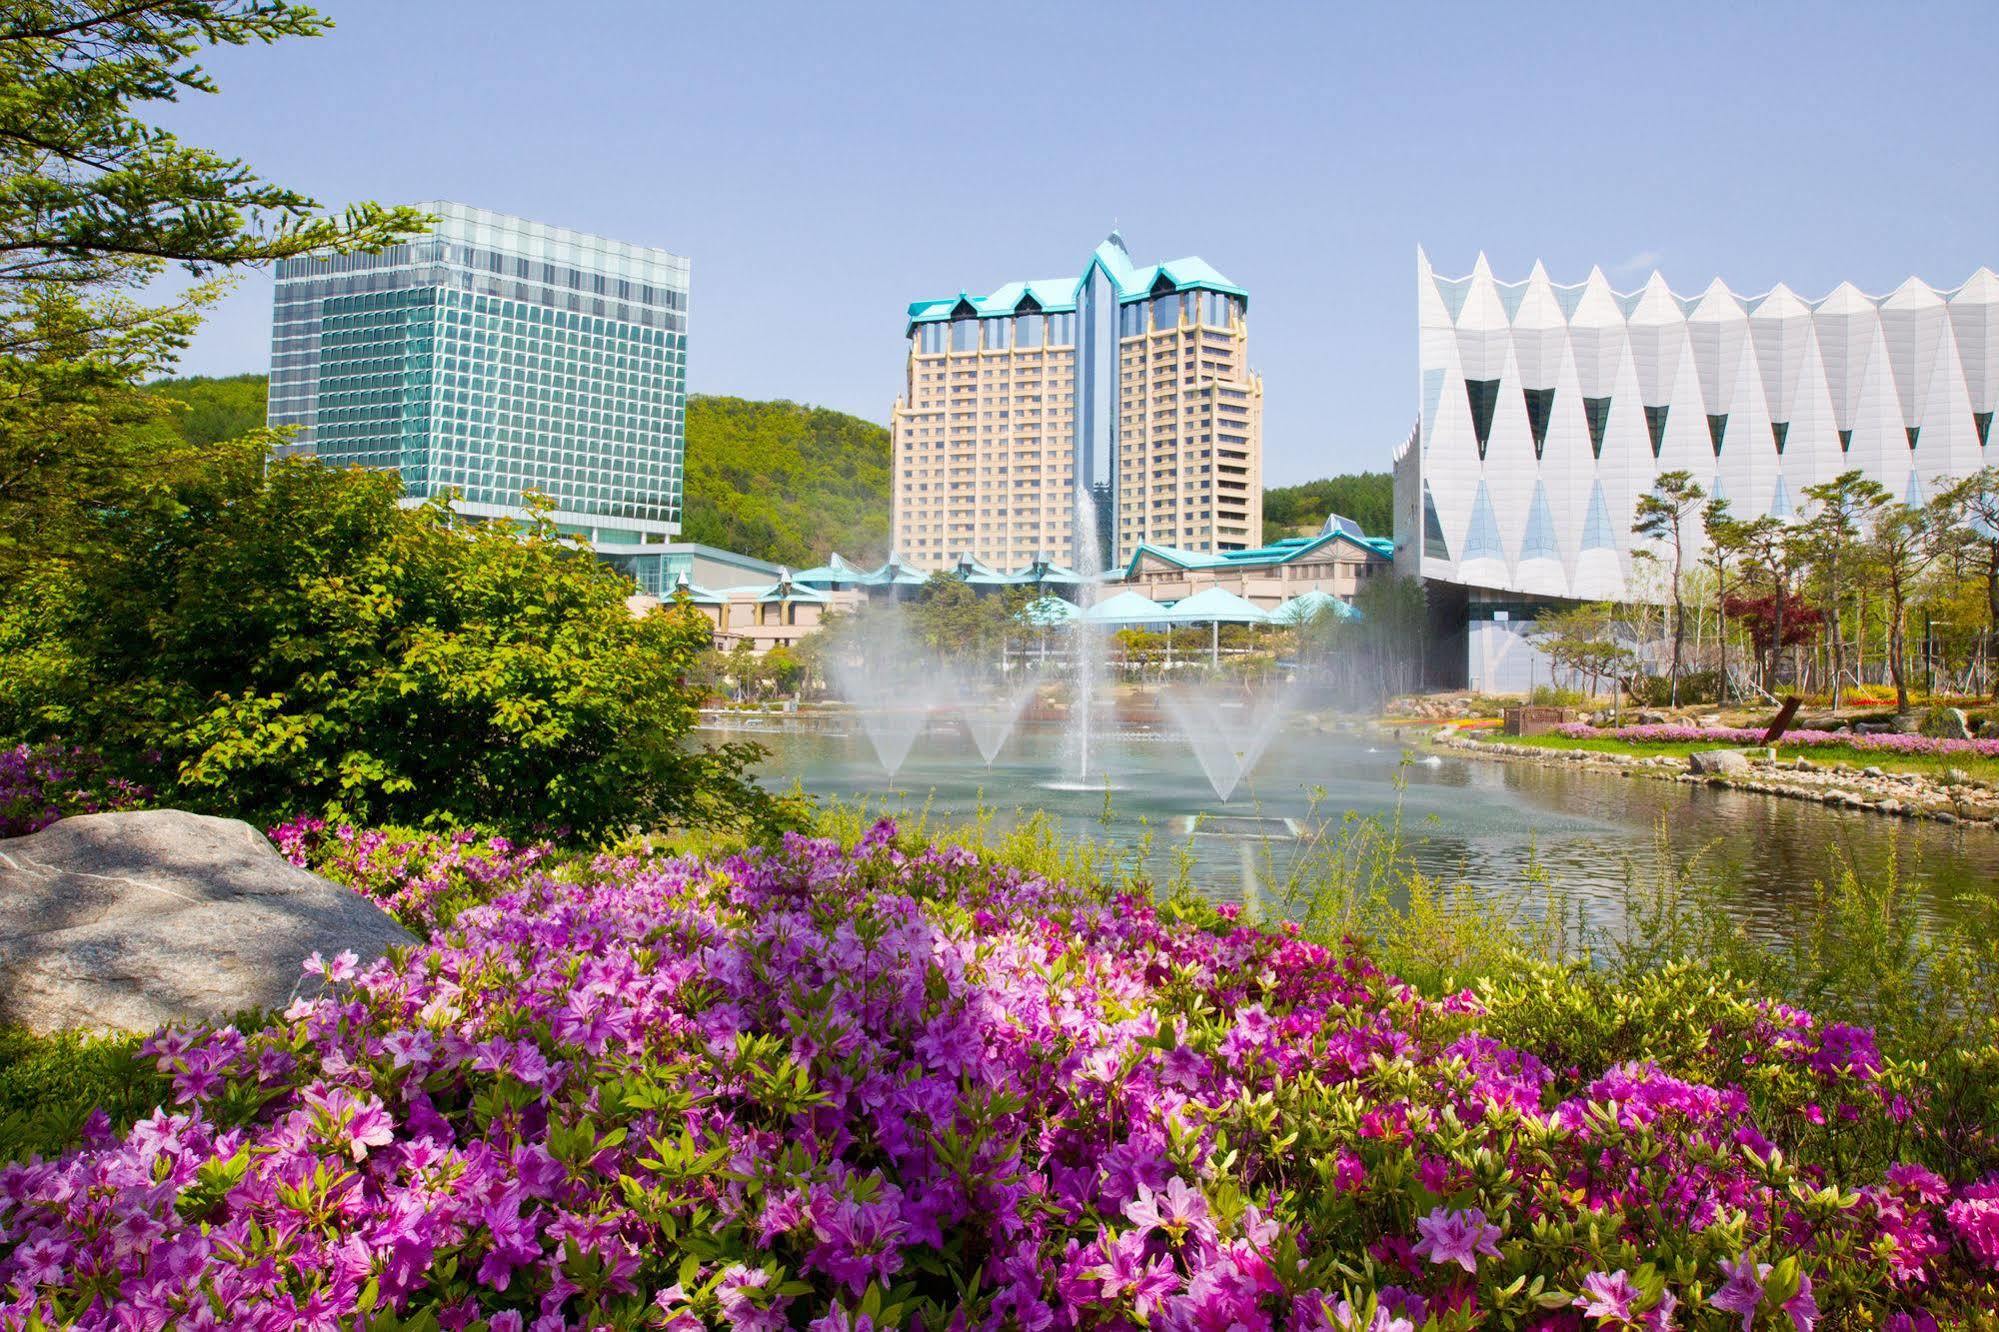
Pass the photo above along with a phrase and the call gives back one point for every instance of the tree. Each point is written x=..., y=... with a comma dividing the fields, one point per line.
x=1974, y=504
x=1826, y=544
x=1902, y=543
x=1366, y=497
x=289, y=638
x=1585, y=639
x=94, y=203
x=91, y=195
x=1663, y=514
x=1724, y=547
x=1767, y=549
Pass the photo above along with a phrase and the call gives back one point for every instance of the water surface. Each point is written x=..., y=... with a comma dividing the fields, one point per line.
x=1519, y=831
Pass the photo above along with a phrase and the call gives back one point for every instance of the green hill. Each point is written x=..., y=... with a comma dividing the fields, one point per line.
x=1366, y=497
x=771, y=479
x=791, y=483
x=785, y=482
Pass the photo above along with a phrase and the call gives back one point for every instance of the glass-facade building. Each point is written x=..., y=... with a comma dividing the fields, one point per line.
x=493, y=357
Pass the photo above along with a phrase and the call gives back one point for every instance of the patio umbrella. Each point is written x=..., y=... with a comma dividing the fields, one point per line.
x=1214, y=607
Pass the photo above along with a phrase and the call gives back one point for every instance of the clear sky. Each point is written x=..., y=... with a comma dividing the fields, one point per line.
x=825, y=164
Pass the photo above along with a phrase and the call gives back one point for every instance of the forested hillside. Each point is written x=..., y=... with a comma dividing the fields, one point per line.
x=1366, y=497
x=771, y=479
x=785, y=482
x=792, y=483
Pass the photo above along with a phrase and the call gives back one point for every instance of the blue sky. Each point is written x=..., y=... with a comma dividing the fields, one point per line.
x=823, y=165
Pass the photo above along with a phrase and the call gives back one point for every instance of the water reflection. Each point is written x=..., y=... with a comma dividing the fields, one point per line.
x=1518, y=831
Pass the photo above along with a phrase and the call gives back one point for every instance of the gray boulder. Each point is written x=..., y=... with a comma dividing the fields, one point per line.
x=1718, y=762
x=132, y=921
x=1947, y=724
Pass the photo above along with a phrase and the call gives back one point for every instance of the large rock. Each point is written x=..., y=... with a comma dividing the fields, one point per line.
x=1946, y=724
x=131, y=921
x=1718, y=762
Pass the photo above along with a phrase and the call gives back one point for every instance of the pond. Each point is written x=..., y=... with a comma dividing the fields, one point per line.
x=1517, y=831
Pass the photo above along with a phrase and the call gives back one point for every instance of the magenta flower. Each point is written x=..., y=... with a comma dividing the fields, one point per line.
x=1176, y=1209
x=1742, y=1292
x=1607, y=1298
x=1456, y=1237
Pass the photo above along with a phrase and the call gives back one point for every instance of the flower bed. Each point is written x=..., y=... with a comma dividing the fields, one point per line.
x=1673, y=734
x=848, y=1090
x=42, y=783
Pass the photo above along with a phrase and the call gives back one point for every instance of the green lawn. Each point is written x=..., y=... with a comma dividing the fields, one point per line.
x=1985, y=769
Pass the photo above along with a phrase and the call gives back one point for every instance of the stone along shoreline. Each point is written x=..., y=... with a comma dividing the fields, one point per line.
x=1903, y=795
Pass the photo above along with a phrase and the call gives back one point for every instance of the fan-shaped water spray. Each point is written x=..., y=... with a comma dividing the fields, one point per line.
x=1228, y=733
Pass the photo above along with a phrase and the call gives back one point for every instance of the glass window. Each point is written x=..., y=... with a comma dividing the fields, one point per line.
x=1062, y=330
x=1166, y=312
x=965, y=335
x=1131, y=319
x=996, y=330
x=1027, y=330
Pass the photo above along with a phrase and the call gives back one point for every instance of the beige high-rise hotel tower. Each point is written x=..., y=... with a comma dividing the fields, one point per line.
x=1118, y=404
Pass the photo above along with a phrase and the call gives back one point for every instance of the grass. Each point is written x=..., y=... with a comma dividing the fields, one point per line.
x=1926, y=765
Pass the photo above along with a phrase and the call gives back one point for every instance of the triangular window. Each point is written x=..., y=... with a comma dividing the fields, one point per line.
x=1539, y=541
x=1434, y=545
x=1717, y=426
x=1780, y=501
x=1483, y=395
x=1912, y=432
x=1655, y=425
x=1778, y=431
x=1482, y=533
x=1914, y=496
x=1540, y=405
x=1983, y=420
x=1845, y=441
x=1596, y=411
x=1597, y=531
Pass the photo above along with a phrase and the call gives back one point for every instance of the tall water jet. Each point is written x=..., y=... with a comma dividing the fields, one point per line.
x=1087, y=665
x=1227, y=740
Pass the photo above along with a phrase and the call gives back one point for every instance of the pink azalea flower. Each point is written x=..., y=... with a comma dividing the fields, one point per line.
x=1456, y=1237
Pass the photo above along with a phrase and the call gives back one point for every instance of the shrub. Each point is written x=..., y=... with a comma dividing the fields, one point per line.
x=42, y=783
x=1656, y=691
x=292, y=637
x=1549, y=696
x=895, y=1086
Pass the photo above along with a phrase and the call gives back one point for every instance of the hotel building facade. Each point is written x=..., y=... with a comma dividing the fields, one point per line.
x=1548, y=409
x=1078, y=418
x=491, y=357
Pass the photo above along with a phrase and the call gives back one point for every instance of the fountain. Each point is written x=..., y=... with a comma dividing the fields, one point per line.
x=1227, y=740
x=1088, y=670
x=889, y=688
x=991, y=719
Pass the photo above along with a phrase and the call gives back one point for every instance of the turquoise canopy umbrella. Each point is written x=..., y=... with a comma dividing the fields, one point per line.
x=1215, y=607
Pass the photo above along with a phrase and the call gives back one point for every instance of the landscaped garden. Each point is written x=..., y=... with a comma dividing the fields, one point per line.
x=1890, y=752
x=892, y=1085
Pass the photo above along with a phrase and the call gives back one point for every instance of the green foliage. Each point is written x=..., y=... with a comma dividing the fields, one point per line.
x=290, y=638
x=1366, y=497
x=785, y=482
x=50, y=1084
x=91, y=193
x=214, y=411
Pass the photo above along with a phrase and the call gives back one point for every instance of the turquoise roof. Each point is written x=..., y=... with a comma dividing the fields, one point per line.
x=1276, y=552
x=1058, y=295
x=1216, y=605
x=1126, y=608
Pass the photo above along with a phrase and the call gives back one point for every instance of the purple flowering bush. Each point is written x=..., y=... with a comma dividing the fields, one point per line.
x=892, y=1086
x=42, y=783
x=1680, y=734
x=422, y=879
